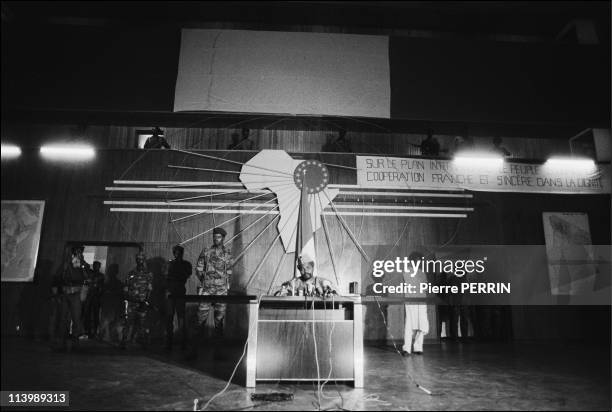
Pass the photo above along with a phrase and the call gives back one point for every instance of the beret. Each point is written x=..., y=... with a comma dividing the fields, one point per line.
x=219, y=231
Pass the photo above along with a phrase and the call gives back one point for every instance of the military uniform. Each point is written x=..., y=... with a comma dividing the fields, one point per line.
x=139, y=284
x=214, y=271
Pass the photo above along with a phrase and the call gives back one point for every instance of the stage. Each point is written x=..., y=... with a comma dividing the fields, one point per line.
x=495, y=376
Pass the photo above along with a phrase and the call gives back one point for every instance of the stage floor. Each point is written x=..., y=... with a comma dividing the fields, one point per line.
x=484, y=376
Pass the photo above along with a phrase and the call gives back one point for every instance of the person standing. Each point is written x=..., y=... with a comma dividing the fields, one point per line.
x=156, y=141
x=179, y=271
x=306, y=284
x=91, y=309
x=213, y=274
x=459, y=312
x=138, y=287
x=430, y=146
x=111, y=306
x=57, y=324
x=329, y=145
x=498, y=148
x=244, y=144
x=342, y=144
x=73, y=286
x=416, y=324
x=214, y=271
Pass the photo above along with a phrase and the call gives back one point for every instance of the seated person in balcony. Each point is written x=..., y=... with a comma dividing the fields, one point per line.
x=329, y=145
x=430, y=146
x=244, y=144
x=156, y=141
x=498, y=148
x=306, y=284
x=343, y=145
x=462, y=144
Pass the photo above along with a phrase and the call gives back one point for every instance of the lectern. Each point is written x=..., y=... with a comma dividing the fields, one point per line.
x=299, y=338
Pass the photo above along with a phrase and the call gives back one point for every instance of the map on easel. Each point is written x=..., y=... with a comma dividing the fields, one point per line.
x=571, y=266
x=21, y=224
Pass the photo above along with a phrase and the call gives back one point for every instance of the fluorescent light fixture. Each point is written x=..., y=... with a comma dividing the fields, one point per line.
x=478, y=159
x=10, y=151
x=581, y=163
x=68, y=152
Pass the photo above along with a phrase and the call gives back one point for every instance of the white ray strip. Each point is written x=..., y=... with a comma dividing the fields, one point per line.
x=201, y=169
x=236, y=203
x=232, y=161
x=174, y=182
x=223, y=223
x=407, y=207
x=404, y=194
x=378, y=187
x=259, y=212
x=347, y=229
x=175, y=189
x=340, y=166
x=216, y=212
x=396, y=214
x=211, y=195
x=144, y=203
x=331, y=186
x=253, y=204
x=329, y=243
x=245, y=229
x=342, y=193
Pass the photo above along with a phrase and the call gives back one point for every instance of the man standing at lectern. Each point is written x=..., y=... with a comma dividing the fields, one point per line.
x=306, y=284
x=214, y=272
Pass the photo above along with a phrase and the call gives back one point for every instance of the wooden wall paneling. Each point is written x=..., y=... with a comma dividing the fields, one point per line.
x=197, y=136
x=279, y=358
x=75, y=211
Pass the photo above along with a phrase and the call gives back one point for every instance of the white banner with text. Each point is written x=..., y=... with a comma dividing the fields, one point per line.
x=417, y=173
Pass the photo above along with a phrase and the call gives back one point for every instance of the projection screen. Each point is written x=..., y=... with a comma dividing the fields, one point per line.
x=283, y=73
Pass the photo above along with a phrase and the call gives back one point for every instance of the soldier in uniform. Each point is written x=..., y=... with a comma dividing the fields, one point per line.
x=214, y=272
x=138, y=287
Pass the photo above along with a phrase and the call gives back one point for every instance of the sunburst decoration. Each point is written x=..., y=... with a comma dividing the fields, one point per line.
x=257, y=175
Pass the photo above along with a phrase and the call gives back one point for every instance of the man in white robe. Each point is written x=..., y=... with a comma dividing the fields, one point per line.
x=416, y=324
